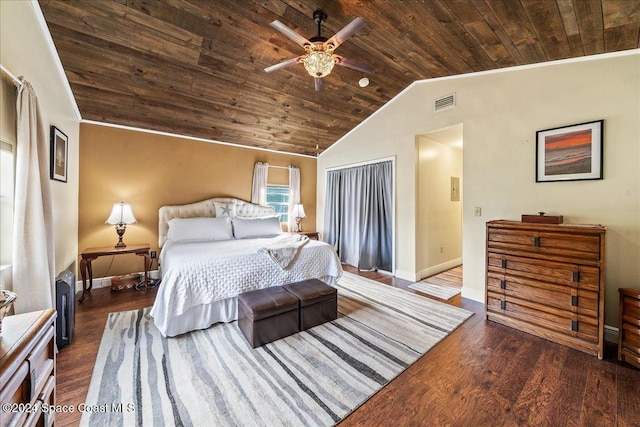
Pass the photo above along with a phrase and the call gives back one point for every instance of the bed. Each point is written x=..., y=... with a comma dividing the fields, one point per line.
x=205, y=266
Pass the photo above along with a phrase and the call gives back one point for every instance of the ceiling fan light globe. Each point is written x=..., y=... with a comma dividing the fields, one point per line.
x=318, y=64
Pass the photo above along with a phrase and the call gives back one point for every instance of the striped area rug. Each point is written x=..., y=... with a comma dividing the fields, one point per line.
x=212, y=377
x=438, y=291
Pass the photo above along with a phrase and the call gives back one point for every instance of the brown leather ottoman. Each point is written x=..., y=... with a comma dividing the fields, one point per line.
x=318, y=302
x=267, y=315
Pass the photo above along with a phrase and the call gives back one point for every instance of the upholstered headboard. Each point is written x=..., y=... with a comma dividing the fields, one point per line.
x=205, y=208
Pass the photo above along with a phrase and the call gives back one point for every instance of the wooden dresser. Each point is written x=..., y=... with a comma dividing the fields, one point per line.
x=548, y=280
x=27, y=369
x=629, y=332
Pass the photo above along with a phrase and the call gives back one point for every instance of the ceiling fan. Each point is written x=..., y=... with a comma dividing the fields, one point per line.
x=319, y=58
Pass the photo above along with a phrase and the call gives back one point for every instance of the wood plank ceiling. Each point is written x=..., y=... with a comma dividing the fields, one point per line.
x=196, y=67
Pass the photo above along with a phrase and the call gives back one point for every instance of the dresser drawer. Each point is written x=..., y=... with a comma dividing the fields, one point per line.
x=41, y=363
x=631, y=338
x=559, y=296
x=549, y=318
x=16, y=391
x=559, y=273
x=48, y=397
x=570, y=246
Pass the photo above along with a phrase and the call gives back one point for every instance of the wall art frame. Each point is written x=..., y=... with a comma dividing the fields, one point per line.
x=59, y=155
x=570, y=153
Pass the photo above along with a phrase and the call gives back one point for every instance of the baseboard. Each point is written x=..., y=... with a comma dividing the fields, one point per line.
x=611, y=334
x=105, y=282
x=406, y=275
x=473, y=294
x=437, y=269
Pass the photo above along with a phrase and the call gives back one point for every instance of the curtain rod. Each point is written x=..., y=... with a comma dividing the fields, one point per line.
x=10, y=74
x=275, y=167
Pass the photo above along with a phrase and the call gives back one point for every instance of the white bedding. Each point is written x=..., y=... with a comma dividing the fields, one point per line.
x=198, y=275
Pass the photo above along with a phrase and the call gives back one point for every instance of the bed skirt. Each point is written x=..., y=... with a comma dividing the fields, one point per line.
x=203, y=316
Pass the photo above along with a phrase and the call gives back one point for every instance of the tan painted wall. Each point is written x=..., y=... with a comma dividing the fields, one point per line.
x=149, y=170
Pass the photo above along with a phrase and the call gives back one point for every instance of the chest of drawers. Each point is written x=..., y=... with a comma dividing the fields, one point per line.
x=27, y=369
x=548, y=280
x=629, y=331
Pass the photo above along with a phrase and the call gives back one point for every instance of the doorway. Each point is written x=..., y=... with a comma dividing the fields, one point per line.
x=439, y=200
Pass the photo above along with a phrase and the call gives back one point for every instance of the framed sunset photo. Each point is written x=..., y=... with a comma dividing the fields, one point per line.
x=570, y=153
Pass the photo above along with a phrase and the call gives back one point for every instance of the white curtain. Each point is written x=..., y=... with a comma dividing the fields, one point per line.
x=259, y=188
x=33, y=245
x=294, y=194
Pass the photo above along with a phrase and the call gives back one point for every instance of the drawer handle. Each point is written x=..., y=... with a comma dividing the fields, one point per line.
x=574, y=325
x=536, y=241
x=503, y=284
x=503, y=305
x=503, y=263
x=574, y=300
x=576, y=276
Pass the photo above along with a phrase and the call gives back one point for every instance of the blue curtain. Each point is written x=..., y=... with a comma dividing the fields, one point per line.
x=358, y=215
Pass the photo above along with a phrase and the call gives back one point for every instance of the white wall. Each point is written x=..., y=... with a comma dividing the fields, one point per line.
x=26, y=52
x=439, y=223
x=501, y=113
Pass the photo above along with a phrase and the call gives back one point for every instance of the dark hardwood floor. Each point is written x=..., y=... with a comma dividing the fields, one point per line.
x=483, y=374
x=75, y=362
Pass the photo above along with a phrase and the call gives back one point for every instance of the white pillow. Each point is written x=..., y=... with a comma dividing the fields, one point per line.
x=225, y=209
x=265, y=226
x=199, y=229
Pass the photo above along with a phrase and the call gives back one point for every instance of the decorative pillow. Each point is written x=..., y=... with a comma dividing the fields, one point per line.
x=199, y=229
x=225, y=209
x=264, y=226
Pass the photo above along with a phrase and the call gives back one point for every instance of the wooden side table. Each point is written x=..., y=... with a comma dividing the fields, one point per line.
x=88, y=255
x=310, y=234
x=629, y=331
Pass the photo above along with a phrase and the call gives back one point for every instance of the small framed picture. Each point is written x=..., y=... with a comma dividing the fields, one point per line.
x=570, y=153
x=59, y=148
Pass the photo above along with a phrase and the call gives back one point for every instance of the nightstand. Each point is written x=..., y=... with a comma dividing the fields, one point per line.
x=88, y=255
x=310, y=234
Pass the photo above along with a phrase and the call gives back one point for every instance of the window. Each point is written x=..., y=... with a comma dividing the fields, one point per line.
x=278, y=197
x=6, y=201
x=8, y=137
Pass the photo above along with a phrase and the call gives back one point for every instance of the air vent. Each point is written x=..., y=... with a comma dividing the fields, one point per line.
x=444, y=102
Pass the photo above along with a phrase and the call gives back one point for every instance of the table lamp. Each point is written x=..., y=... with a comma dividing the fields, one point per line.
x=298, y=214
x=121, y=215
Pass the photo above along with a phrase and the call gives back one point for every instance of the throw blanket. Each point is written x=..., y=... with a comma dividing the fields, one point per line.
x=284, y=249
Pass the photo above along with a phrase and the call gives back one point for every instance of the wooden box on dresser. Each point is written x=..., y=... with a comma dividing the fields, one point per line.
x=548, y=280
x=629, y=332
x=27, y=369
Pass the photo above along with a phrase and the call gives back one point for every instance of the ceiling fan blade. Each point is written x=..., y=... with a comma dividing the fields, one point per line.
x=283, y=64
x=350, y=63
x=289, y=33
x=342, y=35
x=319, y=83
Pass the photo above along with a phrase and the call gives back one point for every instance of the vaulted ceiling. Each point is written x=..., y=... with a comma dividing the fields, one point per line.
x=196, y=67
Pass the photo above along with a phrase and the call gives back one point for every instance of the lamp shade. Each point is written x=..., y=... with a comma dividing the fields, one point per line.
x=121, y=213
x=318, y=63
x=298, y=211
